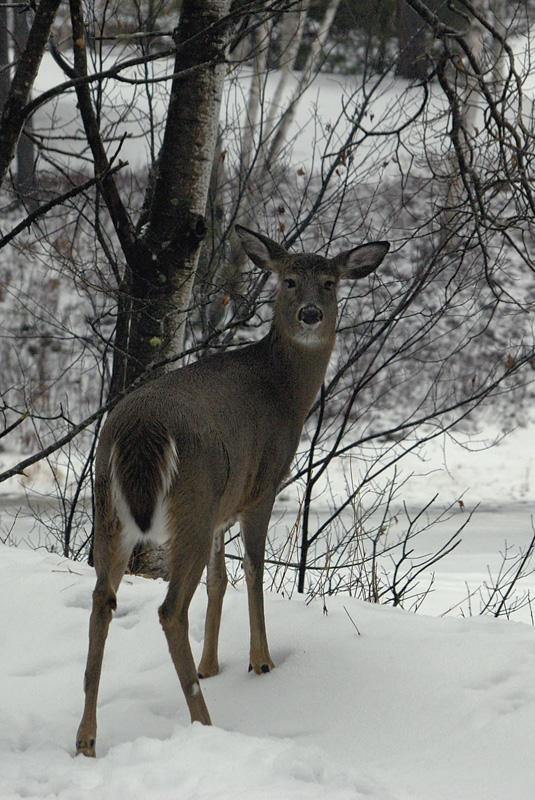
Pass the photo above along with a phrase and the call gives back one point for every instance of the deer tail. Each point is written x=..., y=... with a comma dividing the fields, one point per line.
x=143, y=464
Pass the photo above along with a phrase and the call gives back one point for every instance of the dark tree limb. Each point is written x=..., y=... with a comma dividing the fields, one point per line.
x=120, y=218
x=13, y=114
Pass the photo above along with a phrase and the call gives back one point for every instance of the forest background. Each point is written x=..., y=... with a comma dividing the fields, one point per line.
x=134, y=137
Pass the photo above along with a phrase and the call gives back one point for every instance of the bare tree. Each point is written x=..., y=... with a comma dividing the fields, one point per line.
x=441, y=165
x=24, y=182
x=14, y=30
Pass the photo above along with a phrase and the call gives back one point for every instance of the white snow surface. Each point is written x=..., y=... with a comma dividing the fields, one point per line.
x=412, y=707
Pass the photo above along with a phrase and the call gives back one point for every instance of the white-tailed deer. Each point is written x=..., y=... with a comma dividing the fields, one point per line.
x=190, y=451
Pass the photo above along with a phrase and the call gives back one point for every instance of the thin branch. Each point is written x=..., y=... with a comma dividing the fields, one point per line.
x=56, y=201
x=518, y=574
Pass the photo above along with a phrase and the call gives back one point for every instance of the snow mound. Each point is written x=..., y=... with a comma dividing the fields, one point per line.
x=412, y=708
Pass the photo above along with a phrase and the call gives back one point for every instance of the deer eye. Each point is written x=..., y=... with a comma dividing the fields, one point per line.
x=328, y=284
x=290, y=283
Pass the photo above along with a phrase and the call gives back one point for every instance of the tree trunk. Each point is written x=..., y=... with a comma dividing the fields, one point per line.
x=466, y=112
x=312, y=65
x=24, y=180
x=160, y=279
x=13, y=112
x=411, y=43
x=162, y=276
x=4, y=56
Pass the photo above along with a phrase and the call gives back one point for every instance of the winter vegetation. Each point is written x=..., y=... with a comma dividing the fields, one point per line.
x=134, y=137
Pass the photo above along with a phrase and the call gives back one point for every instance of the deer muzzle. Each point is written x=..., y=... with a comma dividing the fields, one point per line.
x=310, y=315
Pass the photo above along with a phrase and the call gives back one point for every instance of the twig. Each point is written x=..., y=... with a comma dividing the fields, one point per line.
x=352, y=621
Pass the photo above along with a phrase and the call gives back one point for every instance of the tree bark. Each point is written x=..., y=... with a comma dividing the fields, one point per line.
x=163, y=274
x=411, y=43
x=13, y=113
x=4, y=55
x=25, y=177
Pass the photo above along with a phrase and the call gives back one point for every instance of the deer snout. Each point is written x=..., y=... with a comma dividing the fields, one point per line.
x=310, y=315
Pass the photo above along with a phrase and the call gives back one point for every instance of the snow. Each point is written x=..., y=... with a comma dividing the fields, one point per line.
x=413, y=707
x=459, y=465
x=324, y=118
x=410, y=707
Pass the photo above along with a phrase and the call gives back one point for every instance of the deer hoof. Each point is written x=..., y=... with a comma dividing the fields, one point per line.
x=207, y=671
x=85, y=747
x=262, y=668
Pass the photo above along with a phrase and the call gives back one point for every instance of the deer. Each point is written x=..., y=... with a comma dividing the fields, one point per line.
x=187, y=453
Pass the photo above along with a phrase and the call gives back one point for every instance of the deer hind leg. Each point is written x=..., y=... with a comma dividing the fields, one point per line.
x=186, y=564
x=216, y=584
x=110, y=564
x=254, y=524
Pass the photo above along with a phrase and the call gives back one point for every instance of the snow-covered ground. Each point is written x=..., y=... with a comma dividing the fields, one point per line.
x=412, y=707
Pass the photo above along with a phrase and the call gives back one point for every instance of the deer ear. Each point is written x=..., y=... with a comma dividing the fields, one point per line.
x=360, y=261
x=262, y=250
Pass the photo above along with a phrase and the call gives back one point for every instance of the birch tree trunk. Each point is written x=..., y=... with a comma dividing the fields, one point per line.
x=160, y=276
x=498, y=16
x=291, y=38
x=310, y=68
x=465, y=112
x=4, y=55
x=163, y=270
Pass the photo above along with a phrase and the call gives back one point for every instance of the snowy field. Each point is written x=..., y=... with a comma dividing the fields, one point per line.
x=412, y=707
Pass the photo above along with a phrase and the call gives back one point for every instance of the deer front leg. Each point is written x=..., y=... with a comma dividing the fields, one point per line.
x=254, y=524
x=216, y=584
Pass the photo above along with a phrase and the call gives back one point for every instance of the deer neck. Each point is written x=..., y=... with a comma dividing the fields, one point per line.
x=298, y=370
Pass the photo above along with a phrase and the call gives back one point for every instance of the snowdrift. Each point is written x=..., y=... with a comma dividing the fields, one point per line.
x=412, y=707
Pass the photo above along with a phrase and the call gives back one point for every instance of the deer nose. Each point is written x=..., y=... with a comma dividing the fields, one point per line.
x=310, y=315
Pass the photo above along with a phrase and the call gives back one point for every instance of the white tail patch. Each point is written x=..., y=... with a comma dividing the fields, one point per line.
x=159, y=531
